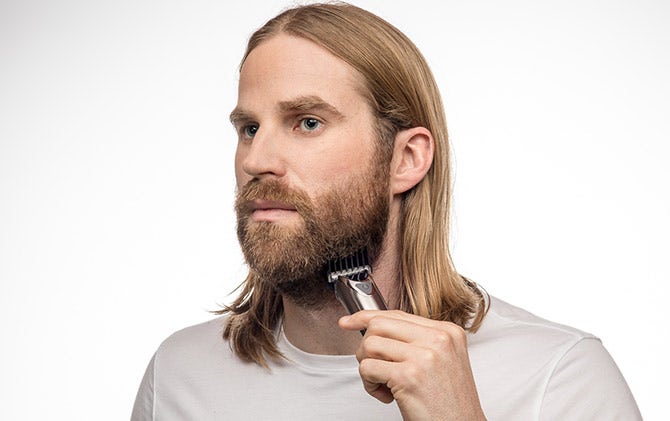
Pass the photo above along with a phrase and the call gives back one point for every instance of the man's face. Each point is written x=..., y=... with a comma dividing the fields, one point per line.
x=310, y=182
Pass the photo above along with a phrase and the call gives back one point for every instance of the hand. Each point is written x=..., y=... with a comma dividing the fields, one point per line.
x=421, y=363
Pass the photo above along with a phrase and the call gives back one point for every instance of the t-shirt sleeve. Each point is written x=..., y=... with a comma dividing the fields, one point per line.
x=587, y=385
x=143, y=410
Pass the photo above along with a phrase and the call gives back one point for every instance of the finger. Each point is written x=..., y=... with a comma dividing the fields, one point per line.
x=382, y=348
x=405, y=331
x=361, y=319
x=375, y=375
x=381, y=325
x=405, y=327
x=425, y=356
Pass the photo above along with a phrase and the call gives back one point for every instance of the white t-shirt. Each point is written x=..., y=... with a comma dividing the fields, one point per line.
x=525, y=368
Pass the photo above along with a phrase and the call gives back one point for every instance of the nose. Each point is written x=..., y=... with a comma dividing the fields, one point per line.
x=260, y=157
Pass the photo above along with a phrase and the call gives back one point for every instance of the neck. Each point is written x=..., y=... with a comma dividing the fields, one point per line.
x=316, y=331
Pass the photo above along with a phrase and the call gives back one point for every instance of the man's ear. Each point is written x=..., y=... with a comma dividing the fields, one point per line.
x=412, y=158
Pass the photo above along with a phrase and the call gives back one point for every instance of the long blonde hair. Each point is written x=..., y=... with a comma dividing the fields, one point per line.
x=403, y=93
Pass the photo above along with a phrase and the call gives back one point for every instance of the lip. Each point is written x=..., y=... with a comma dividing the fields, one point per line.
x=260, y=204
x=271, y=211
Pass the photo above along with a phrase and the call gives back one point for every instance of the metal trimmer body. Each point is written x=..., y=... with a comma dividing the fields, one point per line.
x=354, y=286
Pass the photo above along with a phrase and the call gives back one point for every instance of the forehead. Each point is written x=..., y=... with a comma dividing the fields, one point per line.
x=285, y=66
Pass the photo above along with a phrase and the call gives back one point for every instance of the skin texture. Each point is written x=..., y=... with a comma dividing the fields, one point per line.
x=302, y=121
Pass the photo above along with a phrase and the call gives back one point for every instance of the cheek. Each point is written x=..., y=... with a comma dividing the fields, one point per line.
x=321, y=174
x=334, y=174
x=349, y=156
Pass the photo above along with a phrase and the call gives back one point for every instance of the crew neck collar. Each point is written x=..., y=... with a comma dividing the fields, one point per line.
x=314, y=362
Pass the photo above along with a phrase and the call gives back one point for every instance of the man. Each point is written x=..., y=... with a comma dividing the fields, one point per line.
x=342, y=146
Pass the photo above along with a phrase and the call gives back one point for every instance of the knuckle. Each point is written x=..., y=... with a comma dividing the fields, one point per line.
x=429, y=357
x=451, y=339
x=459, y=332
x=360, y=354
x=459, y=335
x=366, y=345
x=371, y=346
x=375, y=323
x=364, y=367
x=410, y=376
x=442, y=340
x=374, y=320
x=443, y=337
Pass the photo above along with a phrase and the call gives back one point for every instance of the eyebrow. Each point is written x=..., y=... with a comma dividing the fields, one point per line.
x=308, y=103
x=238, y=115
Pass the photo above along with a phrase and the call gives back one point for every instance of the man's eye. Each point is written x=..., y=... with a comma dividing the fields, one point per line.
x=250, y=131
x=310, y=124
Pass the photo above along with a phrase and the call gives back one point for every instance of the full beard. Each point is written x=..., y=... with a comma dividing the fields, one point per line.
x=338, y=223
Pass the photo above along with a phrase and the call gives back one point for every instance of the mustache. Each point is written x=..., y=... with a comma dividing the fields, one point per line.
x=271, y=190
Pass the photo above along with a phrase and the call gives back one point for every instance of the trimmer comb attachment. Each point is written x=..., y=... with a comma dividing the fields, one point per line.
x=356, y=267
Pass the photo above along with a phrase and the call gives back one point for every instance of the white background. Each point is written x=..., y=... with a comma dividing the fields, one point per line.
x=116, y=181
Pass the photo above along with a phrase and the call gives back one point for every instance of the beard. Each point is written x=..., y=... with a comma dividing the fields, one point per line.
x=294, y=259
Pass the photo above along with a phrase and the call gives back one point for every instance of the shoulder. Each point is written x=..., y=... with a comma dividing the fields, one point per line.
x=522, y=339
x=509, y=323
x=558, y=369
x=197, y=336
x=518, y=349
x=193, y=347
x=175, y=368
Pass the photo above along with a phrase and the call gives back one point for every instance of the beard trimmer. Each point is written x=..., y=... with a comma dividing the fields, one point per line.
x=351, y=278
